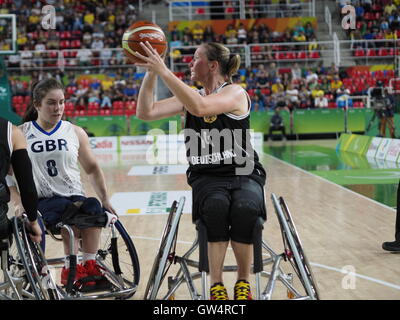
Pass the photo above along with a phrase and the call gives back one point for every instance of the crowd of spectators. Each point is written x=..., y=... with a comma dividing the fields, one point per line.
x=268, y=86
x=92, y=24
x=375, y=20
x=236, y=35
x=97, y=25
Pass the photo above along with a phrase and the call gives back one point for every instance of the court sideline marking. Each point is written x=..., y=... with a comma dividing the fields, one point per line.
x=335, y=184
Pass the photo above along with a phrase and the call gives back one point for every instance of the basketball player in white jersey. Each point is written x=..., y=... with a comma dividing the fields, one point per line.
x=227, y=179
x=55, y=147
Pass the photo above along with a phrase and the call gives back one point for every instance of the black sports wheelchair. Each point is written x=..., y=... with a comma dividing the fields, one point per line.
x=300, y=285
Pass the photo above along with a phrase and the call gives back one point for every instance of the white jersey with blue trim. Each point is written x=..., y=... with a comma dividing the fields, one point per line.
x=54, y=157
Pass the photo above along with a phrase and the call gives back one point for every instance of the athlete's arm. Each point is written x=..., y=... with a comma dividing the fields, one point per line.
x=148, y=109
x=231, y=98
x=22, y=167
x=91, y=166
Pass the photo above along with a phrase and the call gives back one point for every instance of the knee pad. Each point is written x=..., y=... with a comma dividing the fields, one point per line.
x=215, y=216
x=244, y=215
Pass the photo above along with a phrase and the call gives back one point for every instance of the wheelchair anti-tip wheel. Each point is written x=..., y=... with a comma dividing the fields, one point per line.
x=166, y=253
x=293, y=249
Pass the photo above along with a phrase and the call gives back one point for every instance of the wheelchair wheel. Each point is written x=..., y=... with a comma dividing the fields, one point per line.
x=294, y=251
x=40, y=268
x=166, y=253
x=118, y=257
x=32, y=286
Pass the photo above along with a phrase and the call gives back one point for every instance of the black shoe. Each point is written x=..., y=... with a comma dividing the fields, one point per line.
x=393, y=246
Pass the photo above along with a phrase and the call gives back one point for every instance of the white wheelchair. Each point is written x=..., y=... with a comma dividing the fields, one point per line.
x=293, y=253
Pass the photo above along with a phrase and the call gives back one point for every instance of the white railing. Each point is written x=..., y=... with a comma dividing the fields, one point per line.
x=336, y=50
x=394, y=85
x=328, y=19
x=238, y=9
x=256, y=53
x=328, y=51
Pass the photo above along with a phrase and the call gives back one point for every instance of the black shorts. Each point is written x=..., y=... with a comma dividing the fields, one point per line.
x=234, y=189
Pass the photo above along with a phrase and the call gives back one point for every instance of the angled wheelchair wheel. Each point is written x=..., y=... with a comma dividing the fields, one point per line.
x=40, y=268
x=119, y=260
x=32, y=286
x=294, y=251
x=166, y=253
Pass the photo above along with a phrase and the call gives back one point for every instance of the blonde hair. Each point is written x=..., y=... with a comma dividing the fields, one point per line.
x=229, y=63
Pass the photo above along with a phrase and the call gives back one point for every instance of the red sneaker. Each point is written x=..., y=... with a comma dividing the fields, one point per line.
x=93, y=269
x=80, y=273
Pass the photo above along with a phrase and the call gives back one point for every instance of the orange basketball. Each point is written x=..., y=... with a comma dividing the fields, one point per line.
x=143, y=31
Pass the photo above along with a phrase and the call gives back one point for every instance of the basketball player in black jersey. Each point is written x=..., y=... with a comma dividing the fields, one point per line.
x=13, y=152
x=226, y=177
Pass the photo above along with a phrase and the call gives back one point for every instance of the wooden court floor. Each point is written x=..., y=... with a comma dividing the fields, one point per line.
x=341, y=231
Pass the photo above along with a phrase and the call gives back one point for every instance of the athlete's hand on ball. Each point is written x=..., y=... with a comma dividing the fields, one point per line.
x=153, y=62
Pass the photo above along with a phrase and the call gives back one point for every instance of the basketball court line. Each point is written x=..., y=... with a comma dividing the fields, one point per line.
x=335, y=184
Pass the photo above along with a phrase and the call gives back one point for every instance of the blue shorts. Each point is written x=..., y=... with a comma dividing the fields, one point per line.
x=53, y=208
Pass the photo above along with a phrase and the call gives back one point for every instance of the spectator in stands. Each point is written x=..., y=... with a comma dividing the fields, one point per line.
x=242, y=34
x=311, y=76
x=81, y=92
x=276, y=124
x=93, y=96
x=296, y=72
x=389, y=8
x=175, y=33
x=209, y=34
x=232, y=40
x=320, y=101
x=344, y=99
x=130, y=90
x=251, y=81
x=309, y=31
x=97, y=43
x=359, y=10
x=84, y=55
x=317, y=91
x=336, y=84
x=14, y=61
x=272, y=70
x=105, y=55
x=197, y=34
x=292, y=96
x=262, y=81
x=106, y=100
x=230, y=31
x=257, y=104
x=80, y=104
x=325, y=85
x=277, y=86
x=333, y=71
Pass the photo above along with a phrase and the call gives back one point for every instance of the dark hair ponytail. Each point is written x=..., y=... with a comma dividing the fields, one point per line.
x=38, y=91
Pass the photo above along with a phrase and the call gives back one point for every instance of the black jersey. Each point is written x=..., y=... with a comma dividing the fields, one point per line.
x=5, y=158
x=220, y=146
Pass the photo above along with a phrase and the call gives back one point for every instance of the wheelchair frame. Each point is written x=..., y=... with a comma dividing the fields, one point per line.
x=294, y=253
x=18, y=279
x=119, y=286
